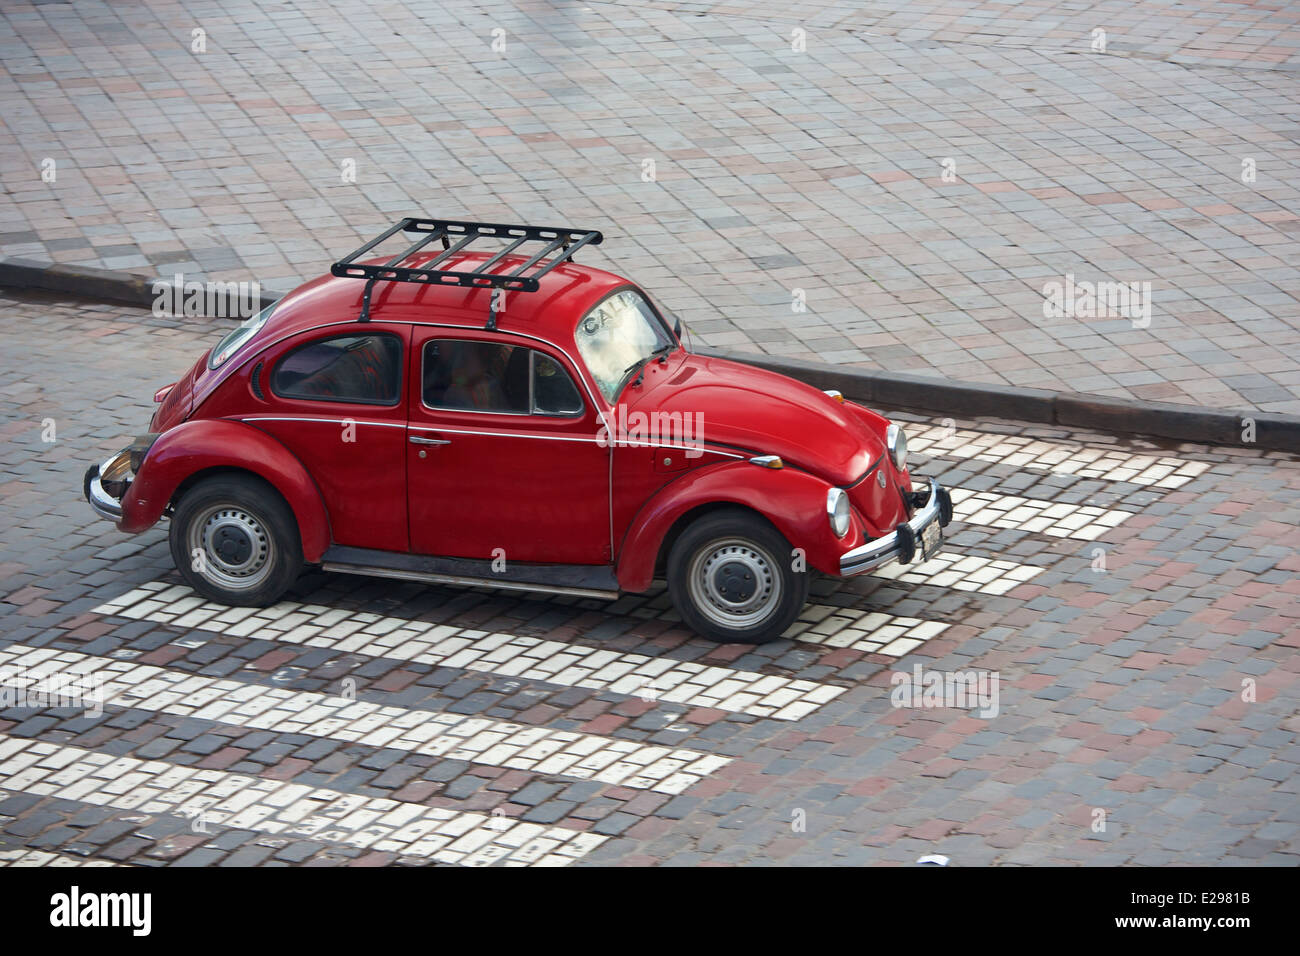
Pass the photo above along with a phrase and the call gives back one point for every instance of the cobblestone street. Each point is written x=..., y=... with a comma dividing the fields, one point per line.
x=1139, y=603
x=1099, y=199
x=915, y=173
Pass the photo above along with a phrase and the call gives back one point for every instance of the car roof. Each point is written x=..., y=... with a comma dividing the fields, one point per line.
x=565, y=293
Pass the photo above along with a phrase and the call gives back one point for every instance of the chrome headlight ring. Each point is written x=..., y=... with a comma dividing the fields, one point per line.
x=896, y=442
x=837, y=511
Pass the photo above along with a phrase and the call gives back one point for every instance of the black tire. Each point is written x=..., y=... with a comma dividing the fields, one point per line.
x=731, y=577
x=246, y=536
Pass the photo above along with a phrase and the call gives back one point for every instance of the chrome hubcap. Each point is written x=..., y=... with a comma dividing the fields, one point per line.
x=230, y=547
x=734, y=583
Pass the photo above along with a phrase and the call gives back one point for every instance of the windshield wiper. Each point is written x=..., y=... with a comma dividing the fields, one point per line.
x=641, y=363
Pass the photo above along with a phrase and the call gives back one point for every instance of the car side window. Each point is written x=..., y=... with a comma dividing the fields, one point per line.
x=553, y=391
x=494, y=377
x=476, y=376
x=366, y=369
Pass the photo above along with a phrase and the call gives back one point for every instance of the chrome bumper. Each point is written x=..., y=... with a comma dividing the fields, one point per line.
x=881, y=551
x=104, y=504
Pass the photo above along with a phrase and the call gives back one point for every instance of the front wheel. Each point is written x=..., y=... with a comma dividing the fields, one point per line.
x=235, y=541
x=732, y=578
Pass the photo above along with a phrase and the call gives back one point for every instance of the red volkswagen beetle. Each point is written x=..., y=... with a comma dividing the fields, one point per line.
x=511, y=418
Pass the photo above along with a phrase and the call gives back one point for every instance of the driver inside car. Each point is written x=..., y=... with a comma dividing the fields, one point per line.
x=475, y=380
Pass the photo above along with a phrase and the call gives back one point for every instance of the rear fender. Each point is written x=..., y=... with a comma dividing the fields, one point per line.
x=202, y=444
x=794, y=501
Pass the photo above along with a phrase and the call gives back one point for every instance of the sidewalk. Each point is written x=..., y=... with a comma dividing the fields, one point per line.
x=774, y=170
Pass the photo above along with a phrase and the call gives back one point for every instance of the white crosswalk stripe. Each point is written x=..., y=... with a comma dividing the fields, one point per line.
x=862, y=630
x=529, y=658
x=963, y=572
x=292, y=810
x=452, y=736
x=25, y=857
x=1034, y=514
x=1055, y=457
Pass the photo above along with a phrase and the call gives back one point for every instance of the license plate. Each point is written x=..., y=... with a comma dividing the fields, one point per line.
x=931, y=538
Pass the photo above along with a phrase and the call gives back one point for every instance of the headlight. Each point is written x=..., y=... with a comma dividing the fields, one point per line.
x=116, y=473
x=896, y=442
x=837, y=509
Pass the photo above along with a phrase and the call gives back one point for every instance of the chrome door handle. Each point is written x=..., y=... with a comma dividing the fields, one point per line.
x=417, y=440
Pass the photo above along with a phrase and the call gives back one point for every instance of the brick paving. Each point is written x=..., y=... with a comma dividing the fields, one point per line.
x=775, y=169
x=1141, y=613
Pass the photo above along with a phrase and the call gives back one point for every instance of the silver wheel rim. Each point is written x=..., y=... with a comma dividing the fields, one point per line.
x=231, y=547
x=720, y=589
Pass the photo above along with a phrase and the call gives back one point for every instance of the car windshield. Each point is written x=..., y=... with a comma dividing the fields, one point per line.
x=234, y=340
x=617, y=334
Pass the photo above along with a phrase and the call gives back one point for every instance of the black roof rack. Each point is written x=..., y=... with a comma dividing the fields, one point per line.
x=558, y=243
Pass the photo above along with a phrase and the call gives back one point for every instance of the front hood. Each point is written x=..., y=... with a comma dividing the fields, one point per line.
x=763, y=413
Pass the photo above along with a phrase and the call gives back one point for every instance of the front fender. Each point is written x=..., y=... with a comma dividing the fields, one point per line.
x=793, y=500
x=200, y=444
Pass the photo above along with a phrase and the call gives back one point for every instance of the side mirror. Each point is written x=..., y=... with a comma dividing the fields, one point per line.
x=677, y=329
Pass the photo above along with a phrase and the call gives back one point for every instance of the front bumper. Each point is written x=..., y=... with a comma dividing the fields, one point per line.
x=900, y=544
x=103, y=503
x=106, y=484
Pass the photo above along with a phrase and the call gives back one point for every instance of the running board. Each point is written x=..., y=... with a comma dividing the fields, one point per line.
x=579, y=580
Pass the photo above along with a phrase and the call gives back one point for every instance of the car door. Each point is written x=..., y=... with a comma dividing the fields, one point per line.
x=503, y=457
x=335, y=397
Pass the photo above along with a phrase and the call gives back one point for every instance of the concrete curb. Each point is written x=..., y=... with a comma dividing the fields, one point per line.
x=103, y=285
x=1119, y=416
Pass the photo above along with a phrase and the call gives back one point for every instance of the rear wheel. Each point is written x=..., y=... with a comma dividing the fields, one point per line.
x=731, y=577
x=235, y=541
